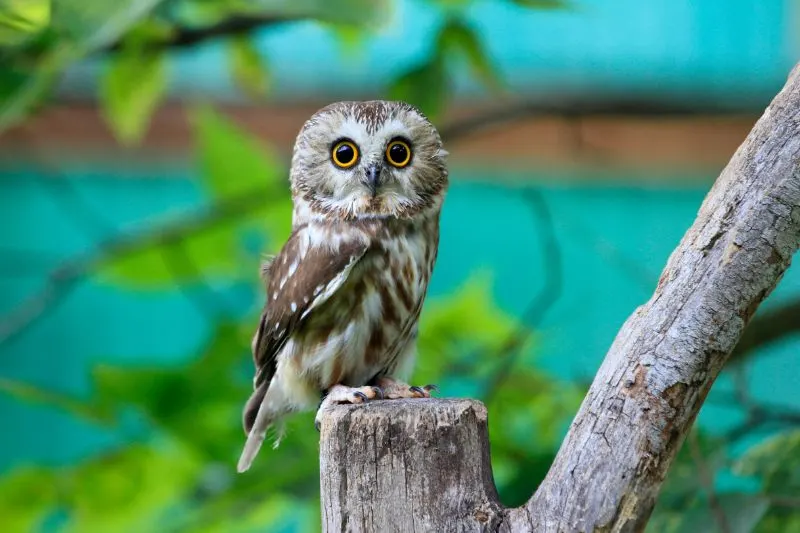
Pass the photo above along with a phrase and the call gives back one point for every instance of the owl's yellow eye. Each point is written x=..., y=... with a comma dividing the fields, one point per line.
x=344, y=154
x=398, y=153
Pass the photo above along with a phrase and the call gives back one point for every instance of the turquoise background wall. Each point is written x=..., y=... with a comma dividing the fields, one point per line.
x=614, y=237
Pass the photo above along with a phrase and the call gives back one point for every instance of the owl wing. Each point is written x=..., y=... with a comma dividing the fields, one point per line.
x=301, y=278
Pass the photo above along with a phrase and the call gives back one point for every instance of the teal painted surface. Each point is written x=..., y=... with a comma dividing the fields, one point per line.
x=614, y=240
x=736, y=52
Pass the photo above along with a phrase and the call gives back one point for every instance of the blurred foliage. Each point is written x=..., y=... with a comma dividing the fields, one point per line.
x=178, y=427
x=247, y=184
x=769, y=505
x=185, y=421
x=39, y=40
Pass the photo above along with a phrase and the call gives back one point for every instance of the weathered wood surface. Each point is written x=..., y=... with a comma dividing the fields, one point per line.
x=412, y=466
x=407, y=465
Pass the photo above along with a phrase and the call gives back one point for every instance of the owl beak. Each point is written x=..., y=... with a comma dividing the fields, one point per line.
x=373, y=178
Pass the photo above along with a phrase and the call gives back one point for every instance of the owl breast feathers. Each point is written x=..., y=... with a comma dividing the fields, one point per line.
x=345, y=292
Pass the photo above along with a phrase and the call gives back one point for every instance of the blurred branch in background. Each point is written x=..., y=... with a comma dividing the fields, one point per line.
x=706, y=477
x=767, y=327
x=552, y=284
x=60, y=282
x=181, y=37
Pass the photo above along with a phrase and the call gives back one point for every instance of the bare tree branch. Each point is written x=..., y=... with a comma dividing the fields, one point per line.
x=665, y=358
x=185, y=37
x=641, y=404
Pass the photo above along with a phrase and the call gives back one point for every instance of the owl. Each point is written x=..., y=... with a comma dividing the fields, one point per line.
x=345, y=291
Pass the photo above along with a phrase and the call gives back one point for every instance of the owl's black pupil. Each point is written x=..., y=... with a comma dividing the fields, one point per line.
x=398, y=153
x=345, y=154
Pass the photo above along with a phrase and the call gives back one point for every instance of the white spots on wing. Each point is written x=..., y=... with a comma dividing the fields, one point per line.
x=343, y=353
x=303, y=244
x=282, y=283
x=275, y=296
x=293, y=268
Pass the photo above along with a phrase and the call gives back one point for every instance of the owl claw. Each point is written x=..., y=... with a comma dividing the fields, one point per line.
x=339, y=394
x=417, y=390
x=393, y=389
x=361, y=395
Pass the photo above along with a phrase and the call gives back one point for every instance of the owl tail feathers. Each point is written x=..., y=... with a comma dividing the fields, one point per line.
x=258, y=418
x=251, y=447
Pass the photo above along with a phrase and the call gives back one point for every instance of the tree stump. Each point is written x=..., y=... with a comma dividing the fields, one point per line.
x=408, y=465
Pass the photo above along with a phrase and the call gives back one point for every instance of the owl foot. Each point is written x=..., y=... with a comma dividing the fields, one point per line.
x=393, y=390
x=339, y=394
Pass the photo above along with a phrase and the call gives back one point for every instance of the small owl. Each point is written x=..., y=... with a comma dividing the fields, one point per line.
x=345, y=291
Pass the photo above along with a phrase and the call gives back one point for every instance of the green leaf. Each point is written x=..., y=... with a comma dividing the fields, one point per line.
x=424, y=86
x=469, y=317
x=130, y=90
x=92, y=24
x=213, y=252
x=29, y=77
x=248, y=67
x=456, y=37
x=20, y=19
x=232, y=162
x=351, y=39
x=249, y=193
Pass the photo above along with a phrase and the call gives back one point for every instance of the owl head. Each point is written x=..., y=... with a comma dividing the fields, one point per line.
x=373, y=159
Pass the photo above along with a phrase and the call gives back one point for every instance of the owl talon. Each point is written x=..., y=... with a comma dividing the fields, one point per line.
x=339, y=394
x=418, y=391
x=359, y=394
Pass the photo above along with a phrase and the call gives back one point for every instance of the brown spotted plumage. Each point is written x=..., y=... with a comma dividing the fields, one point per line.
x=345, y=292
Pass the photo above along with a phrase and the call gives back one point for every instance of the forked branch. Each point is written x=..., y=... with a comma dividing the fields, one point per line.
x=643, y=400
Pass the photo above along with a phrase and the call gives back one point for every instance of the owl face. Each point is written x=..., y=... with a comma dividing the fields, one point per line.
x=367, y=159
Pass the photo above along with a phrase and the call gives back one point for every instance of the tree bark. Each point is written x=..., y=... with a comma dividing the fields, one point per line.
x=424, y=465
x=667, y=355
x=408, y=465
